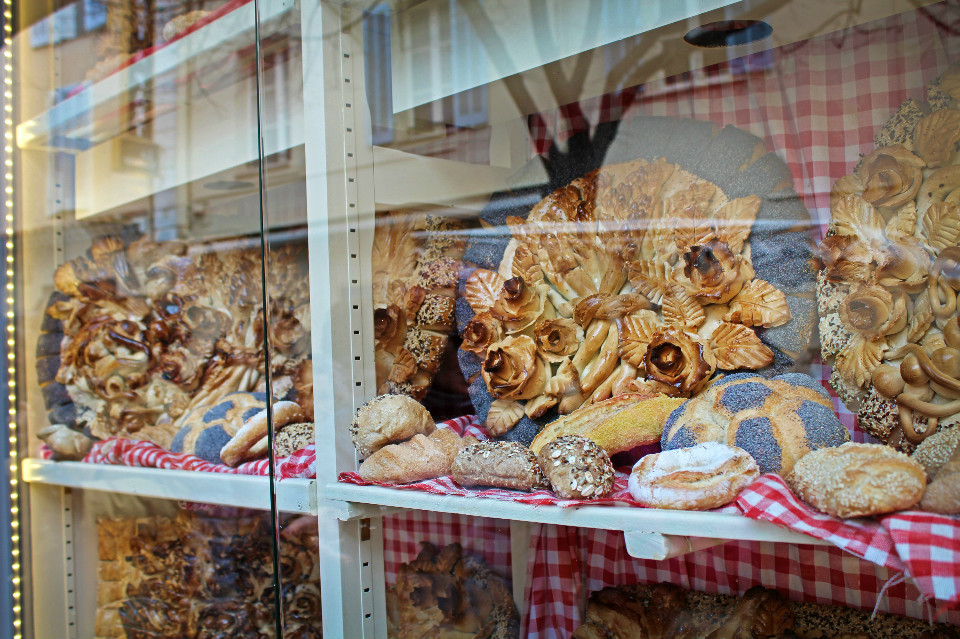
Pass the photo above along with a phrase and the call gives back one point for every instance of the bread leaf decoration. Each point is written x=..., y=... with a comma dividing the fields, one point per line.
x=688, y=214
x=858, y=360
x=503, y=415
x=903, y=224
x=759, y=303
x=526, y=266
x=736, y=346
x=650, y=278
x=482, y=289
x=681, y=309
x=735, y=219
x=852, y=215
x=635, y=332
x=920, y=320
x=941, y=225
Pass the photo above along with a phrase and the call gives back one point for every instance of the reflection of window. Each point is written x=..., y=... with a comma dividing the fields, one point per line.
x=69, y=23
x=439, y=42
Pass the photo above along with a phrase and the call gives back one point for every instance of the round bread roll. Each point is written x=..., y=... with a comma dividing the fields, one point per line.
x=701, y=477
x=387, y=419
x=937, y=449
x=577, y=468
x=777, y=421
x=500, y=465
x=858, y=480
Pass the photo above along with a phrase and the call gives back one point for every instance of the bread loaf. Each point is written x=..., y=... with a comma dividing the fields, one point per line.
x=943, y=493
x=387, y=419
x=702, y=477
x=500, y=465
x=616, y=424
x=858, y=480
x=777, y=420
x=415, y=460
x=577, y=468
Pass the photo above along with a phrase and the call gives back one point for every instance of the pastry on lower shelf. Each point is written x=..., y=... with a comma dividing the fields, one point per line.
x=498, y=465
x=415, y=459
x=446, y=594
x=666, y=611
x=701, y=477
x=200, y=576
x=858, y=480
x=777, y=420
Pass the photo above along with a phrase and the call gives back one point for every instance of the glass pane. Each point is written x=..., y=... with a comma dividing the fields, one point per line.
x=143, y=382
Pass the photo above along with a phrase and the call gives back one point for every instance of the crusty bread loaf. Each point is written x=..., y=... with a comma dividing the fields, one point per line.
x=416, y=459
x=943, y=493
x=250, y=442
x=616, y=424
x=858, y=480
x=701, y=477
x=577, y=468
x=500, y=465
x=387, y=419
x=776, y=420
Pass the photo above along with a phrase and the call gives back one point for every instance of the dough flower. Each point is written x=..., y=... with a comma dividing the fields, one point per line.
x=513, y=370
x=557, y=338
x=480, y=332
x=891, y=176
x=714, y=273
x=679, y=361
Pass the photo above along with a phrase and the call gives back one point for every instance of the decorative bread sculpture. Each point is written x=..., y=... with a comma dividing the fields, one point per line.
x=138, y=334
x=858, y=480
x=416, y=266
x=638, y=276
x=777, y=421
x=887, y=293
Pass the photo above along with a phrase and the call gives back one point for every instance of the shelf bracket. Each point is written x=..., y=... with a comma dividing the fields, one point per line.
x=650, y=545
x=351, y=511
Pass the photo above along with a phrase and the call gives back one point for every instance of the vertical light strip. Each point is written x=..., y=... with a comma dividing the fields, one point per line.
x=10, y=323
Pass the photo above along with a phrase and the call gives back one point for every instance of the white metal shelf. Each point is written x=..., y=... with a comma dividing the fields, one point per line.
x=242, y=491
x=651, y=533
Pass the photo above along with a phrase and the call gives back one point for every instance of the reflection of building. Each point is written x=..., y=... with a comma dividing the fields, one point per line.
x=437, y=40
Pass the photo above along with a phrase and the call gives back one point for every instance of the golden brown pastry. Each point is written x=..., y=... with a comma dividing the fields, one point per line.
x=858, y=480
x=577, y=468
x=943, y=493
x=416, y=459
x=250, y=441
x=701, y=477
x=500, y=465
x=616, y=424
x=387, y=419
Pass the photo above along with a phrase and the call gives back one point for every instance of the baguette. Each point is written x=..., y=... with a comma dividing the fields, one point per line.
x=616, y=424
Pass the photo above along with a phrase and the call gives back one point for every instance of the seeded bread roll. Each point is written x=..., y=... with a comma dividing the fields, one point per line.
x=388, y=419
x=858, y=480
x=577, y=468
x=943, y=493
x=500, y=465
x=937, y=449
